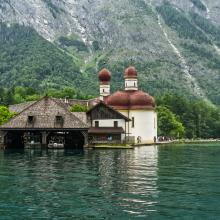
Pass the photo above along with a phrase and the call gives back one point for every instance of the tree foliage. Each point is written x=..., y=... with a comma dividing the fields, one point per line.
x=28, y=60
x=181, y=24
x=168, y=123
x=206, y=26
x=69, y=42
x=199, y=119
x=21, y=94
x=199, y=4
x=78, y=108
x=5, y=114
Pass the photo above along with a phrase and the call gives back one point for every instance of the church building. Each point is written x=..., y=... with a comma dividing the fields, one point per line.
x=134, y=104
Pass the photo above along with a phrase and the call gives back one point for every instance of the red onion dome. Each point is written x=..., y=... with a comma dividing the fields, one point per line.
x=142, y=99
x=130, y=72
x=131, y=100
x=119, y=98
x=104, y=75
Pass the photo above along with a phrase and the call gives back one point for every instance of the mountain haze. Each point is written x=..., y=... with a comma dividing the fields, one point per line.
x=174, y=44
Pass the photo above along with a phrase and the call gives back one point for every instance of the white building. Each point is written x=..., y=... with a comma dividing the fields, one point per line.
x=133, y=103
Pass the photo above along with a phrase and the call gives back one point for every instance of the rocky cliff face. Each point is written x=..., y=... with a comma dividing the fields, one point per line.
x=166, y=40
x=89, y=18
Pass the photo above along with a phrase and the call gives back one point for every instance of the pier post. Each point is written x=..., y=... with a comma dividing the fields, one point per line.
x=44, y=137
x=2, y=139
x=85, y=135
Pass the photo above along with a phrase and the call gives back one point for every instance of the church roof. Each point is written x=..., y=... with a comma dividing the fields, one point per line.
x=43, y=114
x=104, y=76
x=122, y=100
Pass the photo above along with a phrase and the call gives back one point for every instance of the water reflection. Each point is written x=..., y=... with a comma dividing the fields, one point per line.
x=145, y=183
x=129, y=178
x=104, y=178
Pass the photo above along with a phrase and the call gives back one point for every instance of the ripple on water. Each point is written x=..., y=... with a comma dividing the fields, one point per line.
x=175, y=182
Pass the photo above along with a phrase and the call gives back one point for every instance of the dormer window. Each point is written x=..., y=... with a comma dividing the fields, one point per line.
x=59, y=119
x=30, y=119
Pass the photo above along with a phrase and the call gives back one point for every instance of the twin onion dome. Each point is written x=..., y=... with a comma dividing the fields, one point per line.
x=127, y=99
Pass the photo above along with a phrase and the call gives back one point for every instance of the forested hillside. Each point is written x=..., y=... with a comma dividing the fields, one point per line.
x=28, y=60
x=173, y=44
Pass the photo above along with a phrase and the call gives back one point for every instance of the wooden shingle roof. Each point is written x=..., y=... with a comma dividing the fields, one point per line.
x=65, y=102
x=20, y=107
x=44, y=114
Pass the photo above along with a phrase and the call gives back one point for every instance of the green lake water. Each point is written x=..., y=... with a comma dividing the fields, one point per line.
x=165, y=182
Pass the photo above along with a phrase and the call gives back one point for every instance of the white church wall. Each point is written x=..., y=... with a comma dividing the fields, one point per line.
x=145, y=124
x=155, y=127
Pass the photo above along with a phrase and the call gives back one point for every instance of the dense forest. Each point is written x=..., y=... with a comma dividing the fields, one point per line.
x=28, y=60
x=21, y=94
x=178, y=116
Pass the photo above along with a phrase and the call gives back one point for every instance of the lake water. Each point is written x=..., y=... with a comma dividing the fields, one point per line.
x=171, y=182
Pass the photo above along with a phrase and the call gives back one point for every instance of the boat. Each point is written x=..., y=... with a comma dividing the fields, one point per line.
x=56, y=144
x=32, y=144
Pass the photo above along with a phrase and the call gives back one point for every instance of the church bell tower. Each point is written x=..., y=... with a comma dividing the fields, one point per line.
x=131, y=81
x=104, y=79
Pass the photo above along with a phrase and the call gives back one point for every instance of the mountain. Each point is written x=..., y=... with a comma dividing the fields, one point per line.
x=174, y=44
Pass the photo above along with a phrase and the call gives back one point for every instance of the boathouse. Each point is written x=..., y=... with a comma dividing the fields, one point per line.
x=43, y=122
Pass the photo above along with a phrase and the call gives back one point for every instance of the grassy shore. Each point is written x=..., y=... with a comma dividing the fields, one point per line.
x=174, y=142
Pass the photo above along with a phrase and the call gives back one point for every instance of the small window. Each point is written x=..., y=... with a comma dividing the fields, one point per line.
x=103, y=90
x=30, y=118
x=96, y=124
x=115, y=124
x=59, y=119
x=132, y=125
